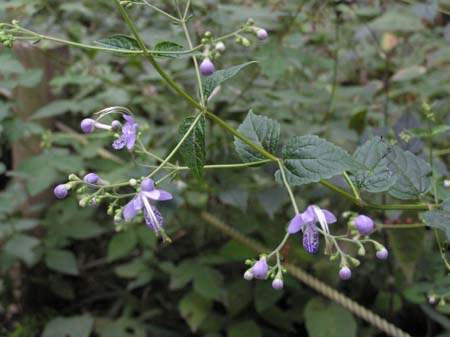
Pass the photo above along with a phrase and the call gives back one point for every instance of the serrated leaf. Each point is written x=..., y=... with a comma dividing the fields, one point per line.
x=62, y=261
x=328, y=319
x=76, y=326
x=439, y=219
x=309, y=159
x=119, y=41
x=193, y=149
x=220, y=76
x=262, y=131
x=413, y=174
x=168, y=46
x=121, y=245
x=378, y=178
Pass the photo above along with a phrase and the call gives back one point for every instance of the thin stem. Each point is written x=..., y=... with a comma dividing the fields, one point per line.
x=194, y=59
x=169, y=175
x=288, y=187
x=161, y=11
x=352, y=186
x=280, y=246
x=150, y=154
x=441, y=250
x=175, y=149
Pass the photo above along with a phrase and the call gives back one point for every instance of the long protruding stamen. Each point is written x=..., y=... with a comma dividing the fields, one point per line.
x=323, y=223
x=150, y=212
x=102, y=126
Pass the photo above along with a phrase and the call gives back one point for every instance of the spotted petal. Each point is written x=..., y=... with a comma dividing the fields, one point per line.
x=311, y=239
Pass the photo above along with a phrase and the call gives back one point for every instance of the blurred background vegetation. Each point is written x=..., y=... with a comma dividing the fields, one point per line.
x=344, y=70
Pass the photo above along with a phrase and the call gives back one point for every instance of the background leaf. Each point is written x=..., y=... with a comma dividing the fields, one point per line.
x=413, y=174
x=309, y=158
x=76, y=326
x=119, y=41
x=63, y=261
x=193, y=150
x=262, y=131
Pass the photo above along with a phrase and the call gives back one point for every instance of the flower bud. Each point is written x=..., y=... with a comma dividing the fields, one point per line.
x=91, y=178
x=207, y=67
x=446, y=183
x=83, y=202
x=363, y=224
x=262, y=34
x=61, y=191
x=260, y=268
x=382, y=254
x=87, y=125
x=73, y=177
x=345, y=273
x=132, y=182
x=248, y=275
x=207, y=34
x=277, y=284
x=245, y=42
x=115, y=124
x=220, y=47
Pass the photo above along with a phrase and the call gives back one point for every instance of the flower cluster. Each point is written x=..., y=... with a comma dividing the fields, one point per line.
x=213, y=48
x=313, y=223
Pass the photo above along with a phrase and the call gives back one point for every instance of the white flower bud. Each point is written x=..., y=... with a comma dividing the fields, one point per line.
x=220, y=47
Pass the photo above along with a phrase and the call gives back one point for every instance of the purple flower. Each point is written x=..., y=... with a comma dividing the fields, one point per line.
x=277, y=284
x=363, y=224
x=262, y=34
x=152, y=216
x=91, y=178
x=207, y=67
x=382, y=254
x=260, y=268
x=306, y=222
x=87, y=125
x=129, y=133
x=345, y=273
x=61, y=191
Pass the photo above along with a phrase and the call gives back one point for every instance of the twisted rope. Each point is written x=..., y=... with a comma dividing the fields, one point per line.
x=323, y=289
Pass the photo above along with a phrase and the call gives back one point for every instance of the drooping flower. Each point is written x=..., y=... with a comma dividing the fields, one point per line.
x=61, y=191
x=363, y=224
x=345, y=273
x=307, y=221
x=207, y=68
x=129, y=133
x=260, y=268
x=143, y=199
x=248, y=275
x=382, y=254
x=88, y=125
x=91, y=178
x=277, y=284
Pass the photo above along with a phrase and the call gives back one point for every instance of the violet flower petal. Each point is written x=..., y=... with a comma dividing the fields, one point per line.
x=311, y=239
x=296, y=224
x=158, y=195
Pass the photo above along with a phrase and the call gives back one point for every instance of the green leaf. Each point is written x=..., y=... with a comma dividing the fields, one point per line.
x=220, y=76
x=439, y=219
x=52, y=109
x=406, y=246
x=244, y=329
x=75, y=326
x=397, y=21
x=122, y=327
x=238, y=296
x=121, y=245
x=119, y=41
x=165, y=46
x=208, y=283
x=193, y=149
x=132, y=269
x=265, y=297
x=63, y=261
x=413, y=174
x=309, y=158
x=194, y=309
x=378, y=178
x=83, y=230
x=262, y=131
x=22, y=246
x=410, y=73
x=31, y=78
x=328, y=319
